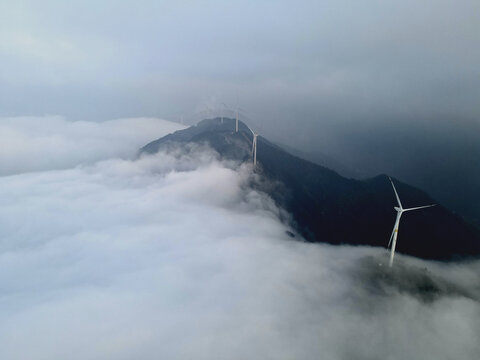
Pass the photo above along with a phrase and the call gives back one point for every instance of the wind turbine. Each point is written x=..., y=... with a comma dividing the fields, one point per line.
x=236, y=121
x=254, y=146
x=254, y=149
x=400, y=210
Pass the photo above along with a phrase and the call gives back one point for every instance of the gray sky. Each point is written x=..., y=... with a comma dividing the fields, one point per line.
x=288, y=61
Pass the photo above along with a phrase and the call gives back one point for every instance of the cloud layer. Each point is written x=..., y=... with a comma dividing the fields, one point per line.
x=174, y=256
x=52, y=142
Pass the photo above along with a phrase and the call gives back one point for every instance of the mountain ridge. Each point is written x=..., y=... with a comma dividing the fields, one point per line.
x=327, y=207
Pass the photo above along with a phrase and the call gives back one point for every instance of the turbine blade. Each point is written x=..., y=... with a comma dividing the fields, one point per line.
x=391, y=237
x=397, y=220
x=419, y=207
x=398, y=199
x=394, y=243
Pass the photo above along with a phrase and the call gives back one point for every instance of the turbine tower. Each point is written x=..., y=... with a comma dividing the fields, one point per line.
x=400, y=210
x=236, y=121
x=254, y=149
x=254, y=146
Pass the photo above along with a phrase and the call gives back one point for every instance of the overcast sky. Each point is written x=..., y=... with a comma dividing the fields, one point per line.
x=289, y=62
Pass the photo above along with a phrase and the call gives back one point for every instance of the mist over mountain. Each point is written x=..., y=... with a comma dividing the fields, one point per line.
x=183, y=254
x=327, y=207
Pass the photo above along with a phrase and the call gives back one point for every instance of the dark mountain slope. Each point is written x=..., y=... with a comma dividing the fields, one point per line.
x=327, y=207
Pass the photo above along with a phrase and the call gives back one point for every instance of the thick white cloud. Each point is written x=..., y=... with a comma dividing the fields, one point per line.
x=49, y=142
x=174, y=256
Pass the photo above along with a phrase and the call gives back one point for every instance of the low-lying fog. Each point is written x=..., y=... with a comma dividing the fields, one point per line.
x=174, y=256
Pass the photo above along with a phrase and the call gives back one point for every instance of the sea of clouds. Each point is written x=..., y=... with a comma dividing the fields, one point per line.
x=51, y=142
x=104, y=255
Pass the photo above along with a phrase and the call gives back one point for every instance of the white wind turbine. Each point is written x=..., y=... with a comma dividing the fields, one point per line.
x=400, y=210
x=236, y=121
x=254, y=149
x=254, y=146
x=236, y=118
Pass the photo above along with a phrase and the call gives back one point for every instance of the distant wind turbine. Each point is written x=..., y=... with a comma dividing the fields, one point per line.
x=254, y=149
x=236, y=121
x=400, y=210
x=254, y=146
